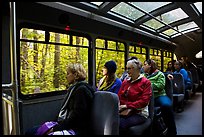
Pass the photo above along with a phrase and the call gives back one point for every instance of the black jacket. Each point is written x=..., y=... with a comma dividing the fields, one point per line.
x=77, y=108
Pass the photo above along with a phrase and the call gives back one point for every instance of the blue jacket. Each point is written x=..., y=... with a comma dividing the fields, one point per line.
x=115, y=87
x=187, y=79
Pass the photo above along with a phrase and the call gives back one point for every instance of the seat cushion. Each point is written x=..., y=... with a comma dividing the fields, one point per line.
x=139, y=129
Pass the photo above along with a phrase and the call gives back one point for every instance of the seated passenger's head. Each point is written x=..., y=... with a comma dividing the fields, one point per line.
x=109, y=68
x=133, y=57
x=169, y=64
x=149, y=66
x=177, y=64
x=133, y=68
x=75, y=72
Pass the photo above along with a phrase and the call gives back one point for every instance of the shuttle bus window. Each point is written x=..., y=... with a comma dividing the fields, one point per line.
x=140, y=53
x=100, y=43
x=138, y=49
x=131, y=49
x=144, y=50
x=31, y=34
x=167, y=57
x=110, y=53
x=82, y=41
x=43, y=65
x=174, y=57
x=154, y=54
x=63, y=38
x=159, y=52
x=121, y=46
x=111, y=45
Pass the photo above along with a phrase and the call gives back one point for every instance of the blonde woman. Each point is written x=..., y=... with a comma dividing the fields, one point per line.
x=75, y=113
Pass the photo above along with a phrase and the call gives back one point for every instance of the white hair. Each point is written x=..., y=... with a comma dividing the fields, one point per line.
x=136, y=63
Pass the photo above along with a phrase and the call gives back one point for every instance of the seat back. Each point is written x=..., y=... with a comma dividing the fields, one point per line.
x=178, y=84
x=195, y=76
x=169, y=87
x=195, y=79
x=105, y=118
x=151, y=107
x=190, y=76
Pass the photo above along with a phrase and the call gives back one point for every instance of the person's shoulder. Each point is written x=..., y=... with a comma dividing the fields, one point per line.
x=86, y=89
x=85, y=85
x=183, y=70
x=145, y=80
x=118, y=80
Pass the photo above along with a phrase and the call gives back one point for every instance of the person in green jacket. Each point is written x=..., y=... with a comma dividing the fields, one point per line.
x=157, y=79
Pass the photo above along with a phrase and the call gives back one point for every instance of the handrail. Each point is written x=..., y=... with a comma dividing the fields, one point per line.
x=14, y=82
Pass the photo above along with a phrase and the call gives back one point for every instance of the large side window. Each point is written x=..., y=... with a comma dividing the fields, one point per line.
x=139, y=52
x=167, y=57
x=44, y=56
x=156, y=55
x=109, y=50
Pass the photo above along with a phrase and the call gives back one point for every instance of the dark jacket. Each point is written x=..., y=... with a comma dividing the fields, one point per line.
x=77, y=109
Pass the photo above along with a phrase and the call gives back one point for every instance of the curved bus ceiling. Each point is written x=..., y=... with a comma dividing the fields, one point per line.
x=171, y=22
x=164, y=19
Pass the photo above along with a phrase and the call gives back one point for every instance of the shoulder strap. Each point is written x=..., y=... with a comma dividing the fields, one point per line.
x=63, y=111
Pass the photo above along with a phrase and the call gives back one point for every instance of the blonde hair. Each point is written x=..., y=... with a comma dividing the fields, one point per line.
x=78, y=70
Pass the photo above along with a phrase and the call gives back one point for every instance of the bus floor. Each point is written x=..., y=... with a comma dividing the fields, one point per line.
x=189, y=122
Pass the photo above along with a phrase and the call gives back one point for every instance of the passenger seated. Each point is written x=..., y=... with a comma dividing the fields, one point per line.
x=134, y=96
x=75, y=114
x=125, y=73
x=110, y=82
x=157, y=79
x=187, y=81
x=170, y=67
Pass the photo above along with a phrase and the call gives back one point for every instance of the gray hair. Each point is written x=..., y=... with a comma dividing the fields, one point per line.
x=136, y=63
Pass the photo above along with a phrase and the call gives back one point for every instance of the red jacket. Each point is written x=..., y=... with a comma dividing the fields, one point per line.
x=138, y=93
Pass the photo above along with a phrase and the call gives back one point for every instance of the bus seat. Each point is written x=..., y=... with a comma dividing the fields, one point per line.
x=195, y=78
x=178, y=90
x=146, y=127
x=189, y=91
x=37, y=111
x=169, y=87
x=105, y=113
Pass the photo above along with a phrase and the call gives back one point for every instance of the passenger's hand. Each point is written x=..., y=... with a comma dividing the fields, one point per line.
x=122, y=107
x=170, y=77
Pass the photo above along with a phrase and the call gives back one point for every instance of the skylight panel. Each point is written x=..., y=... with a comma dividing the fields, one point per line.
x=199, y=6
x=173, y=16
x=184, y=28
x=187, y=26
x=199, y=54
x=185, y=31
x=169, y=32
x=149, y=6
x=127, y=11
x=97, y=3
x=153, y=24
